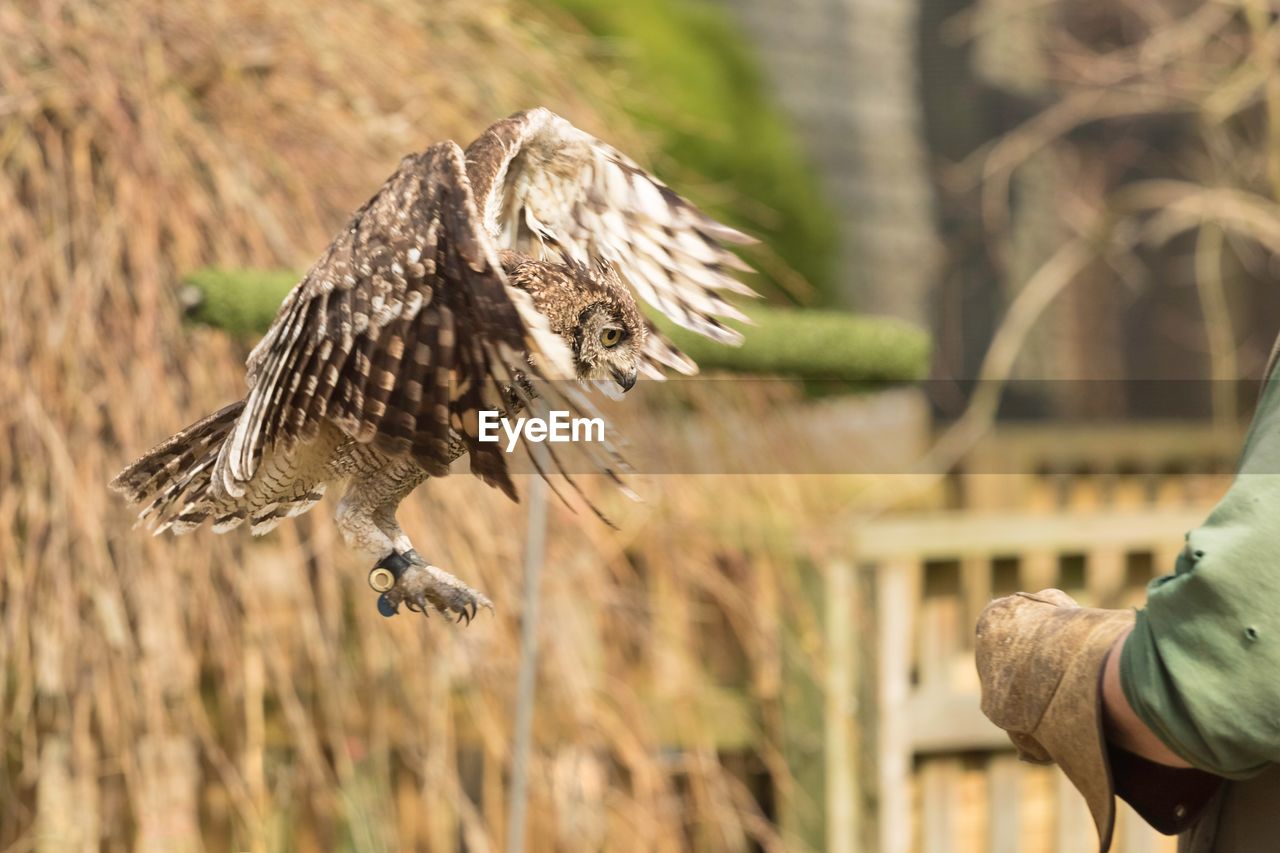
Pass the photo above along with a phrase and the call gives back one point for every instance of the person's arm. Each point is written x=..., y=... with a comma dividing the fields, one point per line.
x=1123, y=727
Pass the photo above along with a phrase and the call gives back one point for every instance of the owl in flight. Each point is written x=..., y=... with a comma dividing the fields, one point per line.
x=472, y=281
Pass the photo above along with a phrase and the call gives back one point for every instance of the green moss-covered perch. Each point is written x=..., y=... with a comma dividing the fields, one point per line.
x=785, y=341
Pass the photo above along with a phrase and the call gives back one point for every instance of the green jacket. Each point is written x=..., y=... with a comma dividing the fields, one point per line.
x=1202, y=667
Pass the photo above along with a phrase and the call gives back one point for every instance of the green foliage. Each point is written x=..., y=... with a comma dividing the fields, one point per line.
x=242, y=302
x=692, y=78
x=812, y=344
x=820, y=345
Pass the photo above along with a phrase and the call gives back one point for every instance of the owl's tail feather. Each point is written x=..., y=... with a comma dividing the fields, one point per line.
x=172, y=480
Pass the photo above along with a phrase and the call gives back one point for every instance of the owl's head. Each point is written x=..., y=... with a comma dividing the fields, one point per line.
x=595, y=314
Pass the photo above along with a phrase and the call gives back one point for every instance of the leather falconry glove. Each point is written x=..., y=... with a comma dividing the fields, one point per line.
x=1040, y=658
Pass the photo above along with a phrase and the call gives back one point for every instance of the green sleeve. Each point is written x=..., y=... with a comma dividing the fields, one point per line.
x=1202, y=666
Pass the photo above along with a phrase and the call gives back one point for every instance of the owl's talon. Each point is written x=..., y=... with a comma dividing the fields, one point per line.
x=416, y=583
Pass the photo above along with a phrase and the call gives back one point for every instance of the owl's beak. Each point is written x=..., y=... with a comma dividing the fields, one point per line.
x=627, y=379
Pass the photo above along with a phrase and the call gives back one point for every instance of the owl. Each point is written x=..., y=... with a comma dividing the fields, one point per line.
x=499, y=279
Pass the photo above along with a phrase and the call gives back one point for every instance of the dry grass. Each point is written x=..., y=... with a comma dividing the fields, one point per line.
x=171, y=694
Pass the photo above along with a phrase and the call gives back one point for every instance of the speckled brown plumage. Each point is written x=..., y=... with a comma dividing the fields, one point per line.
x=563, y=291
x=461, y=286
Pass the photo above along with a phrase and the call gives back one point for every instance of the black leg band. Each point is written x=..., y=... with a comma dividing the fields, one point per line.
x=396, y=563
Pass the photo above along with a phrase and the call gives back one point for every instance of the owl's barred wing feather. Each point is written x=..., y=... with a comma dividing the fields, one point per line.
x=403, y=330
x=544, y=185
x=660, y=352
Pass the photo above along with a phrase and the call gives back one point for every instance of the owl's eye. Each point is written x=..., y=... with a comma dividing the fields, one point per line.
x=611, y=337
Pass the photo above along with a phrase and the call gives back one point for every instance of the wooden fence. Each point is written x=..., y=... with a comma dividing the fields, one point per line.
x=1061, y=467
x=1096, y=510
x=948, y=781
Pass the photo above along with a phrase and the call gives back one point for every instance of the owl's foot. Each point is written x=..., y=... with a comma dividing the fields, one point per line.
x=409, y=579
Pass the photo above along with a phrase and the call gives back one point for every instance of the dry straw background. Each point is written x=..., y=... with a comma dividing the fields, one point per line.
x=213, y=692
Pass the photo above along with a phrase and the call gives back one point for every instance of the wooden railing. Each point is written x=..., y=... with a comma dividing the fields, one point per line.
x=1055, y=467
x=947, y=779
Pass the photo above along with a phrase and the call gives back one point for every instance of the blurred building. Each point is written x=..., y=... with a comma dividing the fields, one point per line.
x=846, y=72
x=901, y=103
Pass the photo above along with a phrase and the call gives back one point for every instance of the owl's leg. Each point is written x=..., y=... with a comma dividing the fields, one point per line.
x=366, y=517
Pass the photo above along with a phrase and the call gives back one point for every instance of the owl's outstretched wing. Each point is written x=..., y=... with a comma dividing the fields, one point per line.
x=545, y=186
x=399, y=335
